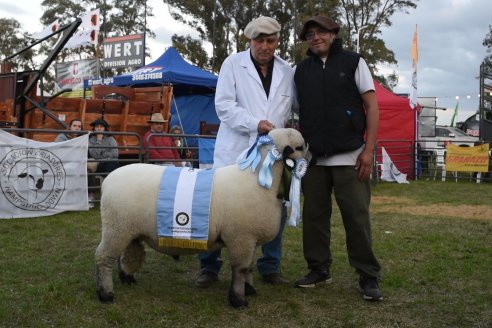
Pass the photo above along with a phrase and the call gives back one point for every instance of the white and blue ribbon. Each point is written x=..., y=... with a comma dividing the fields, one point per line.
x=295, y=192
x=253, y=156
x=265, y=177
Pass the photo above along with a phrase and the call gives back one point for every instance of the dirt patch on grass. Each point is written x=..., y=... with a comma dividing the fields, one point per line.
x=384, y=204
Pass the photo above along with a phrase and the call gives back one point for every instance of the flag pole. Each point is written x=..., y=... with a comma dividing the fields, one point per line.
x=144, y=31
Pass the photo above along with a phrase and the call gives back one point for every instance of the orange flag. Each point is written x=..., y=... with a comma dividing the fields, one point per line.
x=415, y=59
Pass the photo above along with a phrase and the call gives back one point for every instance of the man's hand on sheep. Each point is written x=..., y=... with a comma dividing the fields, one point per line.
x=264, y=126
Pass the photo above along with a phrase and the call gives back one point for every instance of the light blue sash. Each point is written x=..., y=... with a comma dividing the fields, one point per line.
x=183, y=207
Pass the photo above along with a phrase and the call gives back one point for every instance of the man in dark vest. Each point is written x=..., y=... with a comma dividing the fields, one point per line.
x=338, y=117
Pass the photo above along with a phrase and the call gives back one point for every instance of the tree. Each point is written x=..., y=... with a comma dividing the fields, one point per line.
x=120, y=17
x=187, y=45
x=487, y=42
x=221, y=23
x=13, y=40
x=365, y=18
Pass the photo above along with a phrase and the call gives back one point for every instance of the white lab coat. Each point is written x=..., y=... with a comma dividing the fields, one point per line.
x=241, y=102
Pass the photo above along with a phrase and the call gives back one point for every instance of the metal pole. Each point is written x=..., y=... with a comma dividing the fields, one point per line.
x=213, y=35
x=144, y=31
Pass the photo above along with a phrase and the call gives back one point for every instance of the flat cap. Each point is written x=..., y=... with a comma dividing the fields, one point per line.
x=323, y=21
x=261, y=25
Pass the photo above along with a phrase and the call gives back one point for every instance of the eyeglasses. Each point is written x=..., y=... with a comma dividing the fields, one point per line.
x=321, y=33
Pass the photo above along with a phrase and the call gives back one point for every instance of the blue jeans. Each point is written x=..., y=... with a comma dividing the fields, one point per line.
x=268, y=263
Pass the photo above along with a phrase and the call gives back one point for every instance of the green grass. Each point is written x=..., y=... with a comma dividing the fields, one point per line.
x=436, y=273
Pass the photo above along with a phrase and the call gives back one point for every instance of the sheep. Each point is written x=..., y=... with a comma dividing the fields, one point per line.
x=242, y=216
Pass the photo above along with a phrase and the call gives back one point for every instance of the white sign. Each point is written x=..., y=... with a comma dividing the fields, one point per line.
x=42, y=178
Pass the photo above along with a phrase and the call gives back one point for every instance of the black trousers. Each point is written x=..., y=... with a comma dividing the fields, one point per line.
x=353, y=199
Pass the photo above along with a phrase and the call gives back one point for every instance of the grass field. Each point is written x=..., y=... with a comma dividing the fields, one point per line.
x=433, y=239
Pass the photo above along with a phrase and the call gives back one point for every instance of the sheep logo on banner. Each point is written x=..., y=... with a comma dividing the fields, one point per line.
x=32, y=179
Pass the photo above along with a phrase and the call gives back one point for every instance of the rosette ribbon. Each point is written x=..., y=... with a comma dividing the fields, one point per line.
x=265, y=177
x=295, y=192
x=253, y=156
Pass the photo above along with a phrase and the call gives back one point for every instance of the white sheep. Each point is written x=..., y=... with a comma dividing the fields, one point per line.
x=242, y=216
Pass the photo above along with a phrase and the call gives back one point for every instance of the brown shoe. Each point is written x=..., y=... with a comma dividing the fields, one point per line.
x=206, y=279
x=274, y=279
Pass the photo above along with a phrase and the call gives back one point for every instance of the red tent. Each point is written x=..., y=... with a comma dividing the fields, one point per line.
x=396, y=129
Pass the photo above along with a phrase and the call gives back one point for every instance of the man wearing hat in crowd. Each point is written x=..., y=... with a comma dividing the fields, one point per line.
x=254, y=95
x=103, y=148
x=161, y=153
x=337, y=108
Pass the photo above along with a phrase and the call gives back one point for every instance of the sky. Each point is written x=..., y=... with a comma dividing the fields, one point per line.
x=450, y=36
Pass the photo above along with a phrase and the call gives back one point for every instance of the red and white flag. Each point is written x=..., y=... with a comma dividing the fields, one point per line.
x=87, y=32
x=51, y=28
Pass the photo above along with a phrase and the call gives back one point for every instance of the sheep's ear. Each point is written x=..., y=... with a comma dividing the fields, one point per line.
x=287, y=151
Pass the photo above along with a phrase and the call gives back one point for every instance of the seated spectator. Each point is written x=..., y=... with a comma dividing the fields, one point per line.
x=184, y=153
x=104, y=149
x=159, y=147
x=74, y=125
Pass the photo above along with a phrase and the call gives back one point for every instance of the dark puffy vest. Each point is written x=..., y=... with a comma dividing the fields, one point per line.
x=331, y=114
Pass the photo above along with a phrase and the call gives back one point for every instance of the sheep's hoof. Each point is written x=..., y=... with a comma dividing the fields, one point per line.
x=127, y=278
x=249, y=290
x=105, y=298
x=235, y=301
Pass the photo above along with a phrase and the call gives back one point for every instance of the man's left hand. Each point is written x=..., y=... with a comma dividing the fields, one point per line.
x=363, y=164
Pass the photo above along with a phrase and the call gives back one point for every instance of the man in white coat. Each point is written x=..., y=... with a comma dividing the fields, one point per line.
x=254, y=95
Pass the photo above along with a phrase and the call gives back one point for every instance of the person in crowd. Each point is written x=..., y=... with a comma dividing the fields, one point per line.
x=164, y=144
x=74, y=125
x=337, y=108
x=184, y=152
x=103, y=148
x=254, y=94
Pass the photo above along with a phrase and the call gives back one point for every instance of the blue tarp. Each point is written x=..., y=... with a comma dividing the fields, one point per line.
x=192, y=110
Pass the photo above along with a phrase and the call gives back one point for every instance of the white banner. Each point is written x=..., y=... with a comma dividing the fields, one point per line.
x=72, y=74
x=42, y=178
x=389, y=172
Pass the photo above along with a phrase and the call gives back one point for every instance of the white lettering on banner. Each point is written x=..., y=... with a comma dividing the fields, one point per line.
x=138, y=77
x=115, y=63
x=107, y=80
x=135, y=62
x=117, y=50
x=108, y=50
x=125, y=49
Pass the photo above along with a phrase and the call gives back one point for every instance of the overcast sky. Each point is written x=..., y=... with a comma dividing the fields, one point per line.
x=450, y=34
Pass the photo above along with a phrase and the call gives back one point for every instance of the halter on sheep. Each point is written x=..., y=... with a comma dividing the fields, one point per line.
x=242, y=216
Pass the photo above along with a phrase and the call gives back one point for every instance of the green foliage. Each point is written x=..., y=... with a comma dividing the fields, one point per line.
x=221, y=23
x=487, y=42
x=436, y=273
x=187, y=46
x=13, y=40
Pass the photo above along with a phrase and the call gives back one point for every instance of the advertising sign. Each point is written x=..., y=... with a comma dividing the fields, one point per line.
x=123, y=51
